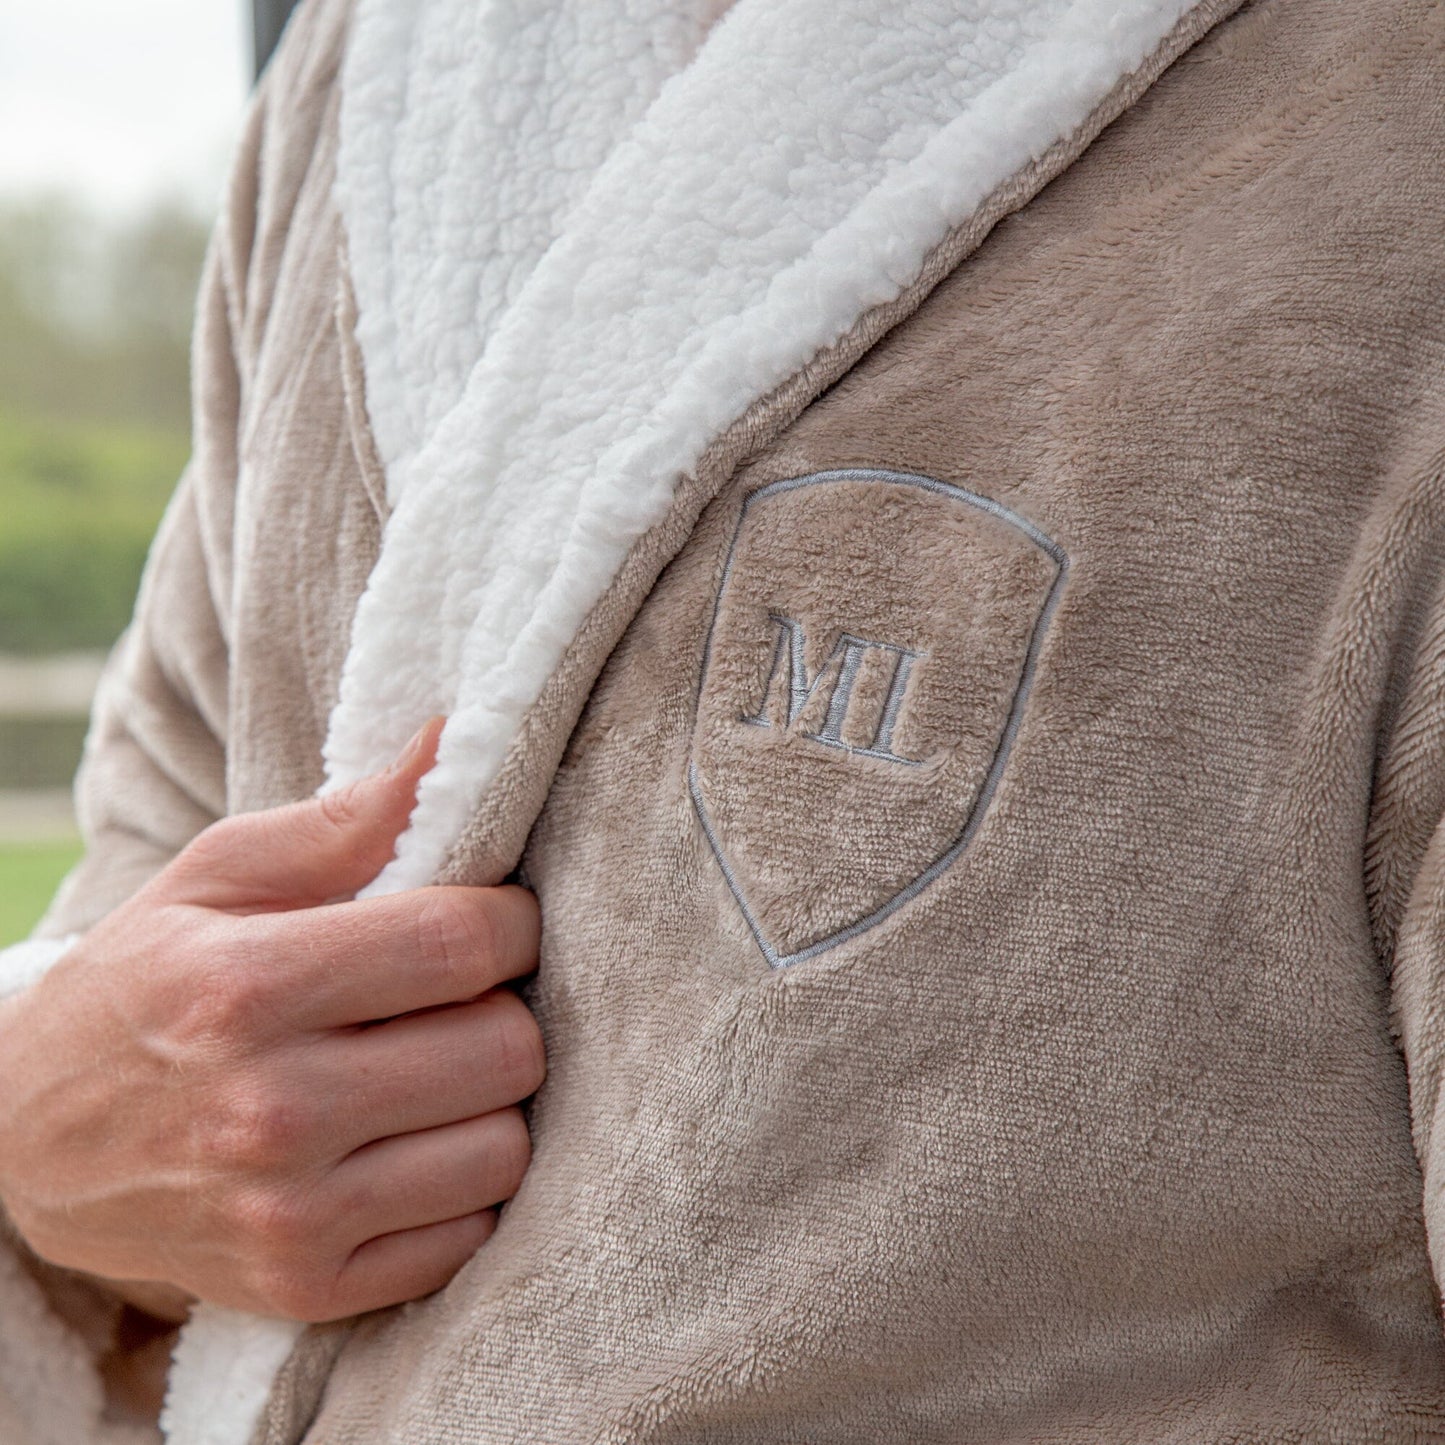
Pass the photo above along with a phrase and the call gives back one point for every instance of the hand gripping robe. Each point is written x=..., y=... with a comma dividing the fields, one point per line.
x=928, y=524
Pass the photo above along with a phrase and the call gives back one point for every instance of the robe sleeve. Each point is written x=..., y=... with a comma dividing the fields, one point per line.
x=1419, y=1009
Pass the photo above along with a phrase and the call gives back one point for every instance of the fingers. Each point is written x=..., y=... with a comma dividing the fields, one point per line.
x=376, y=958
x=426, y=1178
x=406, y=1265
x=432, y=1068
x=432, y=1194
x=298, y=856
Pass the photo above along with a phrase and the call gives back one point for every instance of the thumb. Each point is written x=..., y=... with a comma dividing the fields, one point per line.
x=308, y=853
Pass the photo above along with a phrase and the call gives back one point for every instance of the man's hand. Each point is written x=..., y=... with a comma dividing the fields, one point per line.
x=272, y=1100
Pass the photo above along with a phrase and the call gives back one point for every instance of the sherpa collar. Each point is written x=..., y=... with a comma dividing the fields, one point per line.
x=585, y=237
x=568, y=286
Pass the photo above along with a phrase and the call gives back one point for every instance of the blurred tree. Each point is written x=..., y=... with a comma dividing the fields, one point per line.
x=95, y=322
x=95, y=319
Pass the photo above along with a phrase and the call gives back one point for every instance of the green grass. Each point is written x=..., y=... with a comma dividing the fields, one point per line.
x=29, y=873
x=78, y=506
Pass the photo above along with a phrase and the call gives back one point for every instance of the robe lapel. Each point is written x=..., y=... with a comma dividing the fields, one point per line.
x=801, y=174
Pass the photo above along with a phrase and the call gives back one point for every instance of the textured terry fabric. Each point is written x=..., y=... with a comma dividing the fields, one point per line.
x=1103, y=1136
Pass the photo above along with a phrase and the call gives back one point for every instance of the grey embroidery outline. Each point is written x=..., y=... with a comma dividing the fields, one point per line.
x=1017, y=705
x=849, y=651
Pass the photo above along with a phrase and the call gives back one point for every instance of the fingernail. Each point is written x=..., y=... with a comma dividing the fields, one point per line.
x=423, y=740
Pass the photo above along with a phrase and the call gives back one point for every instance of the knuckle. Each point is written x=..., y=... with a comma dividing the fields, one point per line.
x=339, y=809
x=282, y=1249
x=231, y=996
x=360, y=1197
x=258, y=1131
x=274, y=1225
x=453, y=936
x=208, y=975
x=212, y=849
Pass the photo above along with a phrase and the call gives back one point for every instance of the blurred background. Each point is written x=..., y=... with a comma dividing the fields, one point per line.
x=116, y=124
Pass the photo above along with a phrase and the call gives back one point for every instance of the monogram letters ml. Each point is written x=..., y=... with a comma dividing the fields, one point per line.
x=843, y=666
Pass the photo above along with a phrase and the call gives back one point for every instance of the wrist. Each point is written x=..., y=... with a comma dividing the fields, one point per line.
x=160, y=1301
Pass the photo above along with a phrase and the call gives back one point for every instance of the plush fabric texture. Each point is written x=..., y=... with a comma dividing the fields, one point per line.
x=471, y=131
x=1144, y=1018
x=222, y=1370
x=1101, y=1135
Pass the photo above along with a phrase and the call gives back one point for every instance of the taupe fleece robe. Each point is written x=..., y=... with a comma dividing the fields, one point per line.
x=988, y=836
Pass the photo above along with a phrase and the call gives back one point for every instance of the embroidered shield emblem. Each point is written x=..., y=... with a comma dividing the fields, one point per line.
x=871, y=655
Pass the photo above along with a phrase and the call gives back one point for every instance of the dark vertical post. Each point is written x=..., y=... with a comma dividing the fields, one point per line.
x=268, y=18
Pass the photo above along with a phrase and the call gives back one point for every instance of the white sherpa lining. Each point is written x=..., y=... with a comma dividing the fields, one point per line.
x=471, y=132
x=584, y=240
x=221, y=1373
